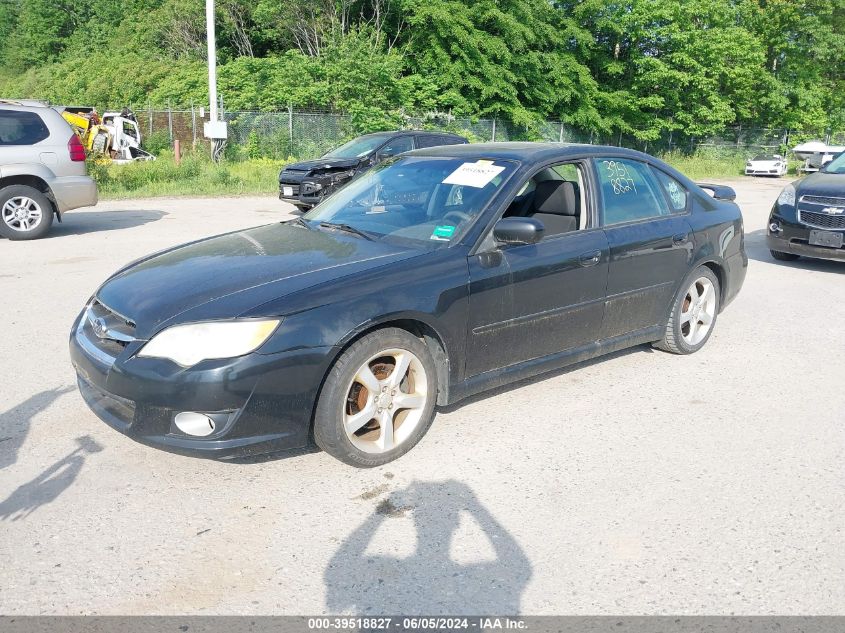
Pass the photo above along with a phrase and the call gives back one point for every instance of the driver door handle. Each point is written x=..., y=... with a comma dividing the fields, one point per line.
x=590, y=259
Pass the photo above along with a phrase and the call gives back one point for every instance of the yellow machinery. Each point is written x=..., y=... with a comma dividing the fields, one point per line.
x=116, y=135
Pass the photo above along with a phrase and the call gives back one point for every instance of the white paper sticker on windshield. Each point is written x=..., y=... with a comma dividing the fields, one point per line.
x=474, y=174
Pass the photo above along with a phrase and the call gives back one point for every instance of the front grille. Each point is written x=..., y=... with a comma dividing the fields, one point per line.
x=828, y=202
x=107, y=330
x=822, y=220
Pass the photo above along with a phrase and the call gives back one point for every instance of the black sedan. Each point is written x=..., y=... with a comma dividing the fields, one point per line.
x=437, y=275
x=808, y=217
x=306, y=183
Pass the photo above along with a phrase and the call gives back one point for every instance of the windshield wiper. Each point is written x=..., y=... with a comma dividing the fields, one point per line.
x=346, y=228
x=301, y=222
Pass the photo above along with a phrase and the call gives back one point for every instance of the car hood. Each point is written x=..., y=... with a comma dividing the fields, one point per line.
x=323, y=163
x=822, y=184
x=227, y=275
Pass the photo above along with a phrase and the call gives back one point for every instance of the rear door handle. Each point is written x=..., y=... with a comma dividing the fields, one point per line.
x=590, y=259
x=680, y=238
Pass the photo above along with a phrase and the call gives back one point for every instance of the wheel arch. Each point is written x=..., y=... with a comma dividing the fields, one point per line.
x=417, y=325
x=718, y=270
x=36, y=182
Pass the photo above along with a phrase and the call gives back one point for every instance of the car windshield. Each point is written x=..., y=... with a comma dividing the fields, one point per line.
x=423, y=201
x=358, y=147
x=836, y=166
x=765, y=157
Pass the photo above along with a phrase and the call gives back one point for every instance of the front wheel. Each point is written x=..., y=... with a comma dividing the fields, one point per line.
x=25, y=213
x=378, y=399
x=694, y=313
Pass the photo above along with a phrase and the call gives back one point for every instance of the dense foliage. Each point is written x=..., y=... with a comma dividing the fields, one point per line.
x=641, y=67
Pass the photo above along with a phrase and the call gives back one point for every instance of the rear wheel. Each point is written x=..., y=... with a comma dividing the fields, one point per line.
x=784, y=257
x=25, y=213
x=378, y=399
x=693, y=314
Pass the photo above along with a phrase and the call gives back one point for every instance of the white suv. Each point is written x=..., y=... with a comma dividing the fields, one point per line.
x=42, y=170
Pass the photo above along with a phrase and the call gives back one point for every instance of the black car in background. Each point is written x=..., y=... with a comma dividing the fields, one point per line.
x=306, y=183
x=436, y=275
x=808, y=217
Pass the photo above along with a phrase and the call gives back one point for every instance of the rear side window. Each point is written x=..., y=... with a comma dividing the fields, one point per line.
x=675, y=191
x=21, y=128
x=630, y=192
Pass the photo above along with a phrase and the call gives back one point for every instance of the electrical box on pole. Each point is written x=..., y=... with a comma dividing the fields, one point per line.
x=214, y=129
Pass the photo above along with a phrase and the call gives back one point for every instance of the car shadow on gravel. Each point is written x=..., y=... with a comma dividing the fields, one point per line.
x=82, y=222
x=365, y=576
x=755, y=246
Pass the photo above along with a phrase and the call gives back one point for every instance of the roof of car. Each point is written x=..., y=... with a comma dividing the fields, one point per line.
x=401, y=132
x=23, y=103
x=525, y=150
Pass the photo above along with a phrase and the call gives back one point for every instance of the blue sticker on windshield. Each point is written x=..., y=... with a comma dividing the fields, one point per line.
x=443, y=232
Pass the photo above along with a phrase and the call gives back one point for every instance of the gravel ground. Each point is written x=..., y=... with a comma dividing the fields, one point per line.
x=644, y=483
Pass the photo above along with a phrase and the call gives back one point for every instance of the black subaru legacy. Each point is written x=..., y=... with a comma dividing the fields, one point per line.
x=437, y=275
x=808, y=217
x=306, y=183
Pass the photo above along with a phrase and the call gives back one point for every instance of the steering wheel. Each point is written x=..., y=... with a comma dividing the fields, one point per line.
x=462, y=217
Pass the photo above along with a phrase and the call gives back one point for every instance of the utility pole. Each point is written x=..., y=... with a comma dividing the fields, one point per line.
x=214, y=129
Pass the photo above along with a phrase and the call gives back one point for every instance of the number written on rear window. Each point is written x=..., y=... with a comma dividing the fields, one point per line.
x=629, y=191
x=21, y=128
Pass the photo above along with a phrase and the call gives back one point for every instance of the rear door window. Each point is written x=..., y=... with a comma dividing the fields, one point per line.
x=21, y=128
x=630, y=192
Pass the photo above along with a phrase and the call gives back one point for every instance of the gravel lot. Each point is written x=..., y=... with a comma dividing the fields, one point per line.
x=644, y=483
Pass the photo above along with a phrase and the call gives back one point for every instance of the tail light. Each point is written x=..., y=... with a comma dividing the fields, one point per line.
x=75, y=148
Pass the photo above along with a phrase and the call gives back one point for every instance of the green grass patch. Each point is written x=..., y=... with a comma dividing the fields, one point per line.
x=706, y=166
x=196, y=176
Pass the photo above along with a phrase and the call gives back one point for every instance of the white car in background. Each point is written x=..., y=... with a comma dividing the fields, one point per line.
x=766, y=165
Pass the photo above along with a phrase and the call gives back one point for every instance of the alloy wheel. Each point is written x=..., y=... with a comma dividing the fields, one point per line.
x=385, y=401
x=22, y=213
x=698, y=311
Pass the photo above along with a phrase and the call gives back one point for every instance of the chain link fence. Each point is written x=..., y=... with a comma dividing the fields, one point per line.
x=302, y=135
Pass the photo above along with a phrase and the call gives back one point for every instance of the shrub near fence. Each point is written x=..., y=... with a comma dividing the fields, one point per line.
x=301, y=135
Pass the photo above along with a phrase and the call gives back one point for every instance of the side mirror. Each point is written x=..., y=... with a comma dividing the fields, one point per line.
x=518, y=231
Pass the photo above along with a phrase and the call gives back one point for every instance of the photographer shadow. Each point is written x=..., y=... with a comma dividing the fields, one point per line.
x=429, y=581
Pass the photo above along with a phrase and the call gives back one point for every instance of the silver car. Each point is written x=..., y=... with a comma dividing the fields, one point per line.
x=42, y=170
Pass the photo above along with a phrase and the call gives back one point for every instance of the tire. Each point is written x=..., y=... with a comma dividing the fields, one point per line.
x=25, y=213
x=681, y=336
x=784, y=257
x=345, y=402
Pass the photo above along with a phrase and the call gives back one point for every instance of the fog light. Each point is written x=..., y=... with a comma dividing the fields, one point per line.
x=196, y=424
x=774, y=227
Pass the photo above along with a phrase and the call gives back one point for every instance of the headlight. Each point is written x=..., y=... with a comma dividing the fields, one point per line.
x=787, y=196
x=189, y=344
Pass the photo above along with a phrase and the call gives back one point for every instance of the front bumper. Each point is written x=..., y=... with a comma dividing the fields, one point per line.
x=800, y=246
x=261, y=402
x=72, y=192
x=309, y=192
